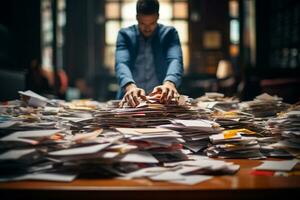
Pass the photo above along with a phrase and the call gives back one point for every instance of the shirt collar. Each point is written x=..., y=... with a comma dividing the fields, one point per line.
x=140, y=35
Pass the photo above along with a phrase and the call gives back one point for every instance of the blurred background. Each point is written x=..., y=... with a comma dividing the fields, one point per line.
x=65, y=48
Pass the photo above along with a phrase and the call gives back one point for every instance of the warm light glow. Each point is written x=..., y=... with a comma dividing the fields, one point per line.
x=224, y=69
x=111, y=31
x=112, y=10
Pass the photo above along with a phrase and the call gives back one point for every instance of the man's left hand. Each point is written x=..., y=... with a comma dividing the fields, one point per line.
x=167, y=91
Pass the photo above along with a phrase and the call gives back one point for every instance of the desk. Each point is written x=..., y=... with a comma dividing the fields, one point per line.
x=242, y=185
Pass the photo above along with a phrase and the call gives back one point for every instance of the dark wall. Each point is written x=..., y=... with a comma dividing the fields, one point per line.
x=208, y=15
x=19, y=44
x=277, y=69
x=278, y=37
x=76, y=39
x=21, y=19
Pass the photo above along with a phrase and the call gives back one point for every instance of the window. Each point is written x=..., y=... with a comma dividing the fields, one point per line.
x=47, y=33
x=122, y=13
x=234, y=28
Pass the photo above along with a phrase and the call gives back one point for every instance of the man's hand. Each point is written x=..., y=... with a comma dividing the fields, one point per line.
x=167, y=91
x=132, y=96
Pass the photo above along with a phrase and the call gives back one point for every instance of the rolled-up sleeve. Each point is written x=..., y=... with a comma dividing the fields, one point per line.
x=122, y=61
x=174, y=58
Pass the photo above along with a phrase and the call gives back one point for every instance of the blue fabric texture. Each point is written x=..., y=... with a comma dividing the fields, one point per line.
x=166, y=50
x=145, y=74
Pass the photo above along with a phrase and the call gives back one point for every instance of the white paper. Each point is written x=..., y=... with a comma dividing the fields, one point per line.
x=15, y=154
x=139, y=157
x=220, y=137
x=277, y=165
x=42, y=177
x=147, y=172
x=76, y=119
x=23, y=136
x=195, y=123
x=80, y=150
x=167, y=176
x=35, y=99
x=7, y=124
x=145, y=131
x=193, y=179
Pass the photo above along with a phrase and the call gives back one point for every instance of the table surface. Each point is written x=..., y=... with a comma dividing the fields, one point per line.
x=241, y=185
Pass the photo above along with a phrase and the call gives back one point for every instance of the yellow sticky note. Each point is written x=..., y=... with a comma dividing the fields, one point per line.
x=231, y=133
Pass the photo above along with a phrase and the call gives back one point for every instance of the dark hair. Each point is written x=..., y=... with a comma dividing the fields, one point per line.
x=147, y=7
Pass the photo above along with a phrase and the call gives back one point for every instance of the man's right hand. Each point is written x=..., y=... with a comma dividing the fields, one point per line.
x=132, y=96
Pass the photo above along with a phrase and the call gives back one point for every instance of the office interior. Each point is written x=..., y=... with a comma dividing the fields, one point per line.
x=65, y=48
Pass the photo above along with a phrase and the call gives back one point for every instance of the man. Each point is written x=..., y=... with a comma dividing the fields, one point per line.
x=148, y=58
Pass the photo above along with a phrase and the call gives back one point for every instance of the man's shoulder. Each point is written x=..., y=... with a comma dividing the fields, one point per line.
x=165, y=30
x=130, y=30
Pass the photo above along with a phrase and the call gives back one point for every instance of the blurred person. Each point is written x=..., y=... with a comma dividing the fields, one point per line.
x=36, y=79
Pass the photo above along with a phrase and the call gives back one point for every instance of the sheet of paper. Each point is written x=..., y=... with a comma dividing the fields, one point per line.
x=146, y=172
x=195, y=123
x=277, y=165
x=35, y=99
x=76, y=119
x=7, y=124
x=42, y=177
x=220, y=137
x=167, y=176
x=193, y=179
x=80, y=137
x=33, y=94
x=15, y=154
x=30, y=134
x=141, y=131
x=139, y=157
x=80, y=150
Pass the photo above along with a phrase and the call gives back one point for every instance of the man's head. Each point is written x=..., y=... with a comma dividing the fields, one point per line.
x=147, y=16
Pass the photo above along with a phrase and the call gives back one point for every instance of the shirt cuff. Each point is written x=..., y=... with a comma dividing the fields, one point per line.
x=126, y=81
x=172, y=79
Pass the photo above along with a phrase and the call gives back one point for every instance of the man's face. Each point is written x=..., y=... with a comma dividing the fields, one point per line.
x=147, y=23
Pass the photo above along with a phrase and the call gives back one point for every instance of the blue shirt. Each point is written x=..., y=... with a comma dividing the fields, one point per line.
x=144, y=74
x=166, y=55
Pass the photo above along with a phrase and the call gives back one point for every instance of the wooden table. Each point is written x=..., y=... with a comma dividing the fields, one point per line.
x=242, y=185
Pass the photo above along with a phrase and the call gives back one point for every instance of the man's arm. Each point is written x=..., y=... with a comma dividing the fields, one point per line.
x=124, y=75
x=175, y=69
x=174, y=58
x=122, y=61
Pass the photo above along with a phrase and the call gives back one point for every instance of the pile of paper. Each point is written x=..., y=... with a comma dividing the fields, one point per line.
x=195, y=132
x=236, y=143
x=148, y=114
x=216, y=101
x=192, y=171
x=264, y=105
x=164, y=144
x=55, y=151
x=287, y=125
x=45, y=139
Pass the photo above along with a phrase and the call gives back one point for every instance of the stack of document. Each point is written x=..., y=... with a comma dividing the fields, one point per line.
x=264, y=105
x=164, y=144
x=43, y=139
x=147, y=114
x=192, y=171
x=195, y=132
x=237, y=143
x=287, y=125
x=216, y=101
